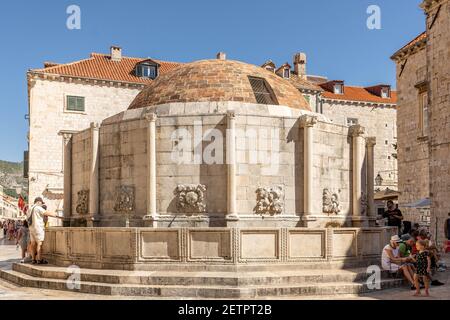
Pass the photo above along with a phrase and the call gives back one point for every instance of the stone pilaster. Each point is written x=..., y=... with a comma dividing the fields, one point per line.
x=94, y=176
x=358, y=142
x=152, y=216
x=67, y=178
x=370, y=152
x=232, y=216
x=307, y=123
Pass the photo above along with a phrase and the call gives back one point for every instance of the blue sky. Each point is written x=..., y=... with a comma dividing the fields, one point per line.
x=332, y=33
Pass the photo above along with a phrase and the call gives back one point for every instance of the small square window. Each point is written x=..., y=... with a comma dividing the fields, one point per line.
x=146, y=71
x=75, y=103
x=307, y=98
x=352, y=121
x=386, y=142
x=385, y=93
x=338, y=88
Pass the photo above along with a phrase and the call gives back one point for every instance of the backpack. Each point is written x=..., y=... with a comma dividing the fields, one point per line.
x=30, y=218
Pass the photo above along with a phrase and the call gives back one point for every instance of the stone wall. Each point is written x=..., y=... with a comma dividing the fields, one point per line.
x=48, y=117
x=380, y=122
x=412, y=147
x=438, y=58
x=214, y=248
x=81, y=172
x=332, y=171
x=270, y=166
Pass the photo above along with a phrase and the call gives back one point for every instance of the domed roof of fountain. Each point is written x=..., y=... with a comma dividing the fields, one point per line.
x=220, y=80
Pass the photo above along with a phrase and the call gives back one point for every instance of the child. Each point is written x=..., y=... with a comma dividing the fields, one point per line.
x=23, y=238
x=423, y=267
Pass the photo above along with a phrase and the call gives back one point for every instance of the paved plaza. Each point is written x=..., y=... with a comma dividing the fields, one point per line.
x=10, y=254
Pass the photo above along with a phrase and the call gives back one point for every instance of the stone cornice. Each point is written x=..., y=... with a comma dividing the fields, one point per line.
x=404, y=53
x=429, y=5
x=33, y=75
x=361, y=103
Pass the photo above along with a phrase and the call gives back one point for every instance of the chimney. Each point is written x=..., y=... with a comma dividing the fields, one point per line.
x=116, y=53
x=222, y=56
x=300, y=65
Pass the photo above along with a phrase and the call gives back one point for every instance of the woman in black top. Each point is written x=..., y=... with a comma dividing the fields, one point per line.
x=394, y=216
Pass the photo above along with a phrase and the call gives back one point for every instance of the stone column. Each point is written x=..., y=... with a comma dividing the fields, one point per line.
x=94, y=176
x=232, y=216
x=357, y=132
x=370, y=145
x=67, y=178
x=307, y=123
x=151, y=217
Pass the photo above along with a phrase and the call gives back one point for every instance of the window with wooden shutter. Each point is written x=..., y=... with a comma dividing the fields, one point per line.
x=262, y=91
x=75, y=103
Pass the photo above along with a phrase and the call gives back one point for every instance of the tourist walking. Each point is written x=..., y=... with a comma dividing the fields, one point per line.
x=36, y=224
x=3, y=228
x=11, y=230
x=23, y=239
x=392, y=262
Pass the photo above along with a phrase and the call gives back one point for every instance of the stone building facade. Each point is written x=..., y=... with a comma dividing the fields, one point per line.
x=376, y=113
x=8, y=207
x=66, y=98
x=372, y=107
x=423, y=79
x=413, y=151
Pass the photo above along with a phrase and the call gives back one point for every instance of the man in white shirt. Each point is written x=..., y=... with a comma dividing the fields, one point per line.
x=37, y=229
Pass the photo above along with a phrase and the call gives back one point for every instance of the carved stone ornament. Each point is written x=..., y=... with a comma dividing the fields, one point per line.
x=125, y=199
x=269, y=200
x=308, y=121
x=330, y=202
x=364, y=203
x=357, y=130
x=191, y=198
x=82, y=202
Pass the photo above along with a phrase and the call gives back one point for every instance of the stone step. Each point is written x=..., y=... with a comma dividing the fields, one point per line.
x=228, y=279
x=180, y=291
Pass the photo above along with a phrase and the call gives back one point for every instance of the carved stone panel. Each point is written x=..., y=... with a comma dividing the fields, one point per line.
x=269, y=200
x=82, y=202
x=125, y=199
x=191, y=198
x=331, y=202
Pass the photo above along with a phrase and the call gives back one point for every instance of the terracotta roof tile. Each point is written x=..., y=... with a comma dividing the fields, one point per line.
x=360, y=94
x=100, y=66
x=300, y=83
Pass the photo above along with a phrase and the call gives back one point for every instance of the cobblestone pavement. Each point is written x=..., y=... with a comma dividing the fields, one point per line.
x=9, y=254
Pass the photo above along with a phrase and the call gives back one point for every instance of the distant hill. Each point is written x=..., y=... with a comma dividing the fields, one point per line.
x=11, y=167
x=11, y=176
